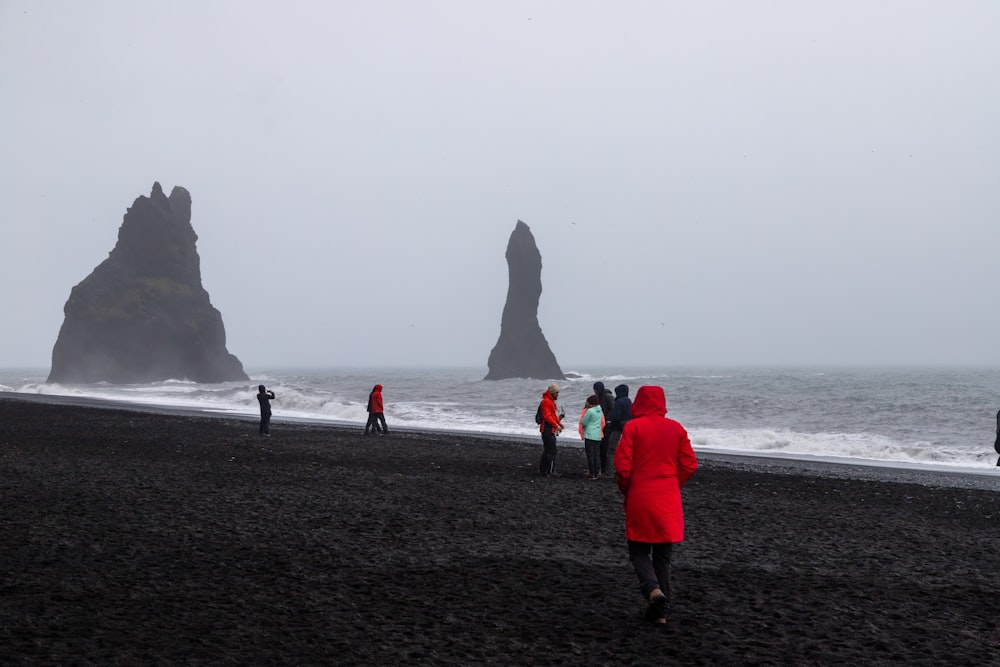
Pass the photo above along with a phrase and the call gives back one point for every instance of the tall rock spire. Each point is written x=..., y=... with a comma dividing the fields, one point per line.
x=522, y=351
x=142, y=314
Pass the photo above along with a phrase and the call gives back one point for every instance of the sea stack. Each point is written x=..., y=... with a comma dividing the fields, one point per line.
x=142, y=315
x=522, y=351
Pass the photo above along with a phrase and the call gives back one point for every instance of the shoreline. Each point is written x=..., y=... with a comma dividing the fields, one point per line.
x=988, y=478
x=136, y=537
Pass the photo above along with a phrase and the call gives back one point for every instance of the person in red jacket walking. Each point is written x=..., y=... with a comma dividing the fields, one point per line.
x=376, y=412
x=653, y=461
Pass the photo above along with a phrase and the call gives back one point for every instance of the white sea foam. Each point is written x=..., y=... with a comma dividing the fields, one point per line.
x=858, y=446
x=906, y=417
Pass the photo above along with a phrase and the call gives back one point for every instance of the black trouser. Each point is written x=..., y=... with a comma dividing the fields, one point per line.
x=608, y=445
x=265, y=423
x=374, y=419
x=547, y=465
x=593, y=450
x=652, y=566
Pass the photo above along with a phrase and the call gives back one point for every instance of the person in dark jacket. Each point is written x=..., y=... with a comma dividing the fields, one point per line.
x=607, y=402
x=372, y=425
x=264, y=397
x=996, y=443
x=619, y=417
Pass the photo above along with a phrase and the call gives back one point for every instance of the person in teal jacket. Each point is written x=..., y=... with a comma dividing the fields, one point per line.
x=592, y=431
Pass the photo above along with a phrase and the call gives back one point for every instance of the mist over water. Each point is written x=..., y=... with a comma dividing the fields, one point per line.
x=752, y=183
x=899, y=416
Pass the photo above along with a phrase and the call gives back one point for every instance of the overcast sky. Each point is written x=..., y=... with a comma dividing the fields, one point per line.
x=780, y=182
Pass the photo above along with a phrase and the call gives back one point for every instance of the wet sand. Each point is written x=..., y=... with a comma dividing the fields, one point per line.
x=137, y=537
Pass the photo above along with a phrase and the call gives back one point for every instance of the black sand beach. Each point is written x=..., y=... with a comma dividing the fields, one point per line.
x=134, y=537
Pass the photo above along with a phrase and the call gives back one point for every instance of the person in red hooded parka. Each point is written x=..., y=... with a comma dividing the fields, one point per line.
x=376, y=410
x=653, y=461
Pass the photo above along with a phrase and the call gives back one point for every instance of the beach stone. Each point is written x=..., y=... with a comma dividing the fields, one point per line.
x=522, y=351
x=142, y=314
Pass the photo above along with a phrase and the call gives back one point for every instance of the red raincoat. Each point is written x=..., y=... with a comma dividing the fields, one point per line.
x=653, y=461
x=377, y=405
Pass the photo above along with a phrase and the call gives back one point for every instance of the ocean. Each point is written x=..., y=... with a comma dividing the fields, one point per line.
x=899, y=417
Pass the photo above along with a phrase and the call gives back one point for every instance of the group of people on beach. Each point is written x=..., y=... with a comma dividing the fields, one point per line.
x=653, y=459
x=376, y=411
x=600, y=426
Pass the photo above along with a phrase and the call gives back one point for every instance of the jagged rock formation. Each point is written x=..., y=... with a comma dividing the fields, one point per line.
x=142, y=315
x=522, y=351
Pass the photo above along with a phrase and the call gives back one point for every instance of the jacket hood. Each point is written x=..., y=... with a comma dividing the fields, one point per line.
x=378, y=387
x=621, y=390
x=598, y=388
x=649, y=400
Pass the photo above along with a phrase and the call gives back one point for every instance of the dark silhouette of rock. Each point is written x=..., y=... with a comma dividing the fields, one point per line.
x=522, y=351
x=142, y=315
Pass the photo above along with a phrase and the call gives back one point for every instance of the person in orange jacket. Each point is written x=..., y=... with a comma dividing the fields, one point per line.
x=550, y=427
x=654, y=459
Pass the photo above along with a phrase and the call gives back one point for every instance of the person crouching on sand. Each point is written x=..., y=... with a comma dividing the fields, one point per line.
x=550, y=427
x=264, y=397
x=653, y=461
x=592, y=431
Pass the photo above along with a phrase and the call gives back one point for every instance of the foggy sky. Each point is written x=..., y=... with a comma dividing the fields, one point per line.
x=708, y=183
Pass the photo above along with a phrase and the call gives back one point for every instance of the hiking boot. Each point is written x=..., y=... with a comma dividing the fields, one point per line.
x=656, y=609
